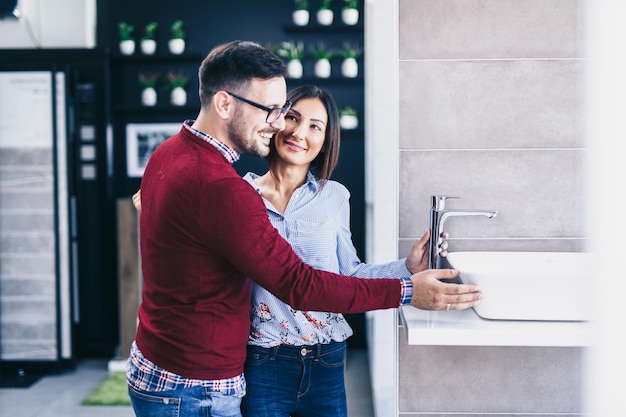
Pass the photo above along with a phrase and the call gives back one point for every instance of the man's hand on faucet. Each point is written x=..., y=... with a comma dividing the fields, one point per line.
x=417, y=260
x=429, y=293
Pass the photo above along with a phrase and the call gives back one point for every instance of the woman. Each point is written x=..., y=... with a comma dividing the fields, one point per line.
x=295, y=361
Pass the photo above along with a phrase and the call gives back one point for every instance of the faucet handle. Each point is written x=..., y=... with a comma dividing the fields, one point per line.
x=438, y=202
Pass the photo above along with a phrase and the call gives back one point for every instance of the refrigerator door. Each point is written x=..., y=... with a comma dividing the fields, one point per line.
x=35, y=321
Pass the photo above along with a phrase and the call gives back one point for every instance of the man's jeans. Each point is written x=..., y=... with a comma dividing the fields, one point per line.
x=302, y=381
x=184, y=402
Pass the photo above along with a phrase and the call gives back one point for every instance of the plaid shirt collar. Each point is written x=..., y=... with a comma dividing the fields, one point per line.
x=229, y=153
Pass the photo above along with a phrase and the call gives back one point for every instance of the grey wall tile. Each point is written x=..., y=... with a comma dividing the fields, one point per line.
x=537, y=193
x=504, y=245
x=28, y=286
x=483, y=29
x=491, y=104
x=28, y=265
x=28, y=309
x=476, y=379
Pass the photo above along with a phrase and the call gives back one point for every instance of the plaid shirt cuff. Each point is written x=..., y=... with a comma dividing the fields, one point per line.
x=406, y=291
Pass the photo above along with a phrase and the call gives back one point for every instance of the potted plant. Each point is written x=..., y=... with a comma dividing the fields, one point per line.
x=127, y=42
x=350, y=66
x=350, y=12
x=300, y=14
x=148, y=83
x=293, y=52
x=176, y=43
x=348, y=118
x=324, y=13
x=178, y=82
x=322, y=55
x=148, y=44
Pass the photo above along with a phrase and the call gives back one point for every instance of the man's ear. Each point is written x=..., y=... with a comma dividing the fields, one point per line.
x=223, y=104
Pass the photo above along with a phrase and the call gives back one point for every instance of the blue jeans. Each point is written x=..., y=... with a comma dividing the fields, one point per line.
x=296, y=381
x=184, y=402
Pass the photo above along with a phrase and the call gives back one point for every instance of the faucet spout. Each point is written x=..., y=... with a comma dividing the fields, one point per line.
x=438, y=216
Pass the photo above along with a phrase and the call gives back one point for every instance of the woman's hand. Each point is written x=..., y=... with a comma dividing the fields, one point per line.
x=137, y=201
x=417, y=260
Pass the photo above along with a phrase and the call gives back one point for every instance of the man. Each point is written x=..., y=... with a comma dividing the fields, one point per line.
x=205, y=231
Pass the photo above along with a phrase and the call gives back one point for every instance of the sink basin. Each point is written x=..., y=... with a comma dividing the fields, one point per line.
x=527, y=285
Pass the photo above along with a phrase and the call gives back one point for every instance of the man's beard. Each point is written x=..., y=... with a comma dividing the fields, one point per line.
x=237, y=132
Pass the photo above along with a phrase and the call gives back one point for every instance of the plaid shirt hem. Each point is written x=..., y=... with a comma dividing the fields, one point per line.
x=143, y=375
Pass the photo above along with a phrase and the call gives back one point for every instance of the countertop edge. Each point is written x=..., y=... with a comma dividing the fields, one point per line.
x=466, y=328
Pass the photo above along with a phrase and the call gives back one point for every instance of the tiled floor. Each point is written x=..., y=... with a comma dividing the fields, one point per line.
x=60, y=395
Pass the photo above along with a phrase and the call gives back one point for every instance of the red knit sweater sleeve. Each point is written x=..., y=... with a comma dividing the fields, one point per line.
x=249, y=241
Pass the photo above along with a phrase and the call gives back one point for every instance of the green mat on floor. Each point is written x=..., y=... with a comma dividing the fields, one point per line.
x=113, y=391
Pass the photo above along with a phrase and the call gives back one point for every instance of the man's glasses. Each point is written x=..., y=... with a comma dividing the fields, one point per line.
x=273, y=113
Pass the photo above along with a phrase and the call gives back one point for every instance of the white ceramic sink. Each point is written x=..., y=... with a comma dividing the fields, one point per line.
x=527, y=285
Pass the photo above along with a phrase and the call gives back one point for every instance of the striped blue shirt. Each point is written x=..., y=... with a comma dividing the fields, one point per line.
x=316, y=223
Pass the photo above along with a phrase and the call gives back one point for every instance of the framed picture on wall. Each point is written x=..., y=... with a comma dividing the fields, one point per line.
x=141, y=140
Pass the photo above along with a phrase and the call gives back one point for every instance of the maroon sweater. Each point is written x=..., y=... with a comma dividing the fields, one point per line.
x=204, y=231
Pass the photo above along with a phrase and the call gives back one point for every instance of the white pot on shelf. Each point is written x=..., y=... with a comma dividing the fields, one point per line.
x=127, y=47
x=322, y=68
x=350, y=16
x=350, y=68
x=148, y=46
x=294, y=68
x=300, y=17
x=325, y=17
x=148, y=96
x=176, y=46
x=178, y=96
x=348, y=121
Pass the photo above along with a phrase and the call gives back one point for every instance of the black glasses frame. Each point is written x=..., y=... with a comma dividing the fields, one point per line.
x=273, y=113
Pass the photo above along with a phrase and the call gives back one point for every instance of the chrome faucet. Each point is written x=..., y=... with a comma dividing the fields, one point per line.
x=438, y=216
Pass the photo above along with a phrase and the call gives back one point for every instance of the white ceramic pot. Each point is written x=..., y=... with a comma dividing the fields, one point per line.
x=149, y=96
x=322, y=68
x=350, y=16
x=325, y=17
x=300, y=17
x=348, y=122
x=294, y=68
x=178, y=96
x=176, y=46
x=127, y=47
x=148, y=46
x=350, y=68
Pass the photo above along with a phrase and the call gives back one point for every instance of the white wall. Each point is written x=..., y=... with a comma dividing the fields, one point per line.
x=50, y=24
x=606, y=138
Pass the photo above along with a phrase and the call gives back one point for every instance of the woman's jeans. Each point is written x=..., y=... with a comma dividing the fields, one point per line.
x=184, y=402
x=297, y=381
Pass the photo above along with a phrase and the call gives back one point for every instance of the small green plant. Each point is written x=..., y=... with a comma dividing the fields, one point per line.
x=321, y=51
x=126, y=31
x=177, y=78
x=291, y=50
x=350, y=51
x=301, y=4
x=148, y=79
x=149, y=31
x=348, y=111
x=350, y=4
x=177, y=30
x=325, y=5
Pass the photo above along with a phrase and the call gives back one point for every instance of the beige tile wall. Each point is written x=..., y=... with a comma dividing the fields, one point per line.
x=490, y=109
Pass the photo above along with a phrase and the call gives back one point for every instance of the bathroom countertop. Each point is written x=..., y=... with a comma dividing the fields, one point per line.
x=466, y=328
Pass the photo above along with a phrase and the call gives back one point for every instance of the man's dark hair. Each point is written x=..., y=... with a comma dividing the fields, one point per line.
x=232, y=65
